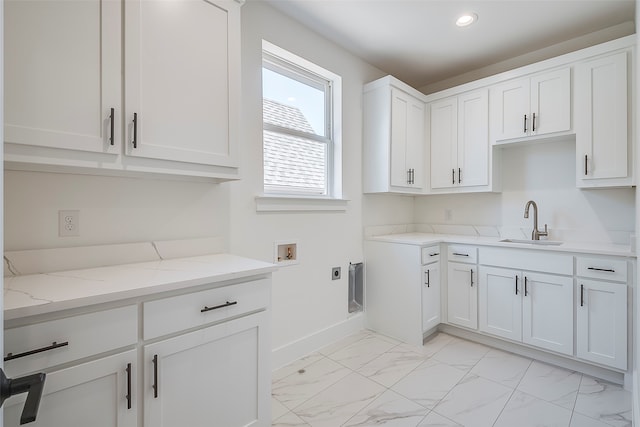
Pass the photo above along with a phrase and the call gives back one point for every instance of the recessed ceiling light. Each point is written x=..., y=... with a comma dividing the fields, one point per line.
x=466, y=19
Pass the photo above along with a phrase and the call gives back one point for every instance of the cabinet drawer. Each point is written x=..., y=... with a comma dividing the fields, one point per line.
x=430, y=254
x=181, y=312
x=462, y=253
x=85, y=335
x=520, y=259
x=602, y=268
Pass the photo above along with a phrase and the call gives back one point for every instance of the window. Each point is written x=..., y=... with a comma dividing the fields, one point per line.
x=301, y=136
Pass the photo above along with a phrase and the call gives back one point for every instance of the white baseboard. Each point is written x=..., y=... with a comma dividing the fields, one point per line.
x=293, y=351
x=540, y=355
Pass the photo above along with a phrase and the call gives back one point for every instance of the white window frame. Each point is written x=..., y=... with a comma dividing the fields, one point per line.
x=298, y=68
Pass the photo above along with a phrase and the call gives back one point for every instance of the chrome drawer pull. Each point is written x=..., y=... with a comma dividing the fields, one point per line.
x=435, y=254
x=457, y=254
x=608, y=270
x=53, y=346
x=227, y=304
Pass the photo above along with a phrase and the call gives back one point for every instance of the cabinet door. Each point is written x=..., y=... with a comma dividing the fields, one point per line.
x=182, y=80
x=547, y=308
x=602, y=322
x=444, y=142
x=462, y=295
x=551, y=102
x=500, y=302
x=62, y=74
x=407, y=139
x=510, y=115
x=430, y=296
x=91, y=394
x=214, y=376
x=473, y=139
x=601, y=119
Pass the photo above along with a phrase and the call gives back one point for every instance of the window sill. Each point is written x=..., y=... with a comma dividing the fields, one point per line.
x=269, y=203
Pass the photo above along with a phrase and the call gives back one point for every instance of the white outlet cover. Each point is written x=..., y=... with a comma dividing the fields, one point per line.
x=68, y=223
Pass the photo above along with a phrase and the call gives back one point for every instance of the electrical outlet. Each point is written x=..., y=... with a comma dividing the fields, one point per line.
x=335, y=273
x=448, y=214
x=68, y=223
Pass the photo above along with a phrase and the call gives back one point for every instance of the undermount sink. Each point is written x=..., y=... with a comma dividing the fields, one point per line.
x=533, y=242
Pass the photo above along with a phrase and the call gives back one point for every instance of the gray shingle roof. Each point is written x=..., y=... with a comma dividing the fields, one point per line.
x=291, y=162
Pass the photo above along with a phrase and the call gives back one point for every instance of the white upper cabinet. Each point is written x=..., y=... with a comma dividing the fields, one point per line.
x=65, y=88
x=459, y=140
x=394, y=138
x=62, y=74
x=179, y=83
x=603, y=152
x=532, y=106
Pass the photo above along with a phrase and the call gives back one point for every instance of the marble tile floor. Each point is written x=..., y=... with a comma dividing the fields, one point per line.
x=368, y=379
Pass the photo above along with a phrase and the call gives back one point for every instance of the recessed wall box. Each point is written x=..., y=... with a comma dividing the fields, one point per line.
x=286, y=252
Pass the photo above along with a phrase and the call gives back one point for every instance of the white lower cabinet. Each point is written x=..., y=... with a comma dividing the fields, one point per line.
x=534, y=308
x=462, y=295
x=100, y=393
x=547, y=312
x=212, y=376
x=500, y=302
x=206, y=362
x=602, y=323
x=430, y=296
x=402, y=297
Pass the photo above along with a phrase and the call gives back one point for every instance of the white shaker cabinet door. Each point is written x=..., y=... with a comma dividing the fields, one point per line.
x=430, y=296
x=215, y=376
x=602, y=142
x=92, y=394
x=551, y=102
x=510, y=113
x=602, y=322
x=62, y=74
x=444, y=142
x=500, y=302
x=547, y=307
x=462, y=295
x=182, y=82
x=473, y=139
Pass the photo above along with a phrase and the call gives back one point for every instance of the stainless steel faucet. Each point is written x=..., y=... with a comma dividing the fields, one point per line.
x=535, y=234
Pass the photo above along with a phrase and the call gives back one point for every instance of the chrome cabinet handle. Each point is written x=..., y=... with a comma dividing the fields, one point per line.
x=459, y=176
x=581, y=295
x=525, y=123
x=453, y=176
x=435, y=254
x=526, y=291
x=471, y=277
x=428, y=279
x=516, y=285
x=459, y=254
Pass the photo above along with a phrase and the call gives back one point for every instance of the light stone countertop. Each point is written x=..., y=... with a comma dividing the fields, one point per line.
x=423, y=239
x=34, y=294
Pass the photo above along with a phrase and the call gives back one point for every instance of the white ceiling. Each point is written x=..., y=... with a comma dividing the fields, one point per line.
x=418, y=41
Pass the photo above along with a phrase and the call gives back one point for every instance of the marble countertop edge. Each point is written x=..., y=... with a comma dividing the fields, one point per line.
x=422, y=239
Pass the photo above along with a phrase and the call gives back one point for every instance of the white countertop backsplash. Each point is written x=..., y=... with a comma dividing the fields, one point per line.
x=425, y=234
x=42, y=290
